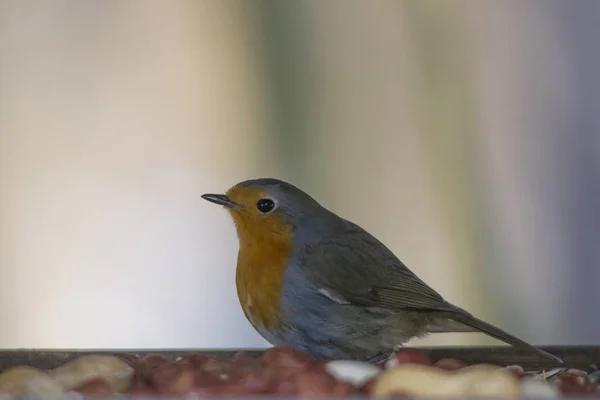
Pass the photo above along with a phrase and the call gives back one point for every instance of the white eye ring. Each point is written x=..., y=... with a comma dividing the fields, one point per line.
x=266, y=205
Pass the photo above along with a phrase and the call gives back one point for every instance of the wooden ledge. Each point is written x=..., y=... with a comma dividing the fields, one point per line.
x=581, y=357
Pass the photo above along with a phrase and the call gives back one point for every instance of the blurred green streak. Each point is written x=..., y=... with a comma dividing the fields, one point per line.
x=283, y=25
x=446, y=111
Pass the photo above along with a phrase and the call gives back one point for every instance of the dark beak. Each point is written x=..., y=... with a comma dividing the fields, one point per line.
x=220, y=199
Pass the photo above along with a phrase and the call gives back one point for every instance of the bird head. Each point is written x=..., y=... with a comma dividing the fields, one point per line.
x=265, y=208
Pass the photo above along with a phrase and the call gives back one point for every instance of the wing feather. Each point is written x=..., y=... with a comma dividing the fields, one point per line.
x=362, y=270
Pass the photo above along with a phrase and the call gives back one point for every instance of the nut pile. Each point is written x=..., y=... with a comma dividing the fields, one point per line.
x=287, y=372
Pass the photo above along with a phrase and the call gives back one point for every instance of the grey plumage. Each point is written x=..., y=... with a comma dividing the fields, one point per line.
x=337, y=263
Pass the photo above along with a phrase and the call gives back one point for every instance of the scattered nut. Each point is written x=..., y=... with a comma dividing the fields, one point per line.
x=131, y=359
x=517, y=371
x=416, y=380
x=407, y=356
x=449, y=364
x=13, y=379
x=574, y=384
x=212, y=366
x=193, y=359
x=286, y=357
x=75, y=373
x=285, y=371
x=146, y=367
x=314, y=383
x=342, y=389
x=43, y=385
x=97, y=387
x=514, y=368
x=489, y=381
x=576, y=372
x=285, y=387
x=256, y=382
x=368, y=386
x=353, y=372
x=533, y=388
x=163, y=375
x=141, y=391
x=182, y=382
x=204, y=379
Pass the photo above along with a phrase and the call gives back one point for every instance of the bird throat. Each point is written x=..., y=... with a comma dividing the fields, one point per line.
x=262, y=262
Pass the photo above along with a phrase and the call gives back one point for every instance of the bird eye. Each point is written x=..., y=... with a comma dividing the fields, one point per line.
x=265, y=205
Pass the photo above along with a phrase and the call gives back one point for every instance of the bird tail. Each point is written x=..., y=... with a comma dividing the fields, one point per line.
x=498, y=333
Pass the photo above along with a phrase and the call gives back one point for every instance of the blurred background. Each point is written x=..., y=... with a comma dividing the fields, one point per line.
x=464, y=134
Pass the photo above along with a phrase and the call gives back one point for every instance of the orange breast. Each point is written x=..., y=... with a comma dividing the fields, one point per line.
x=262, y=262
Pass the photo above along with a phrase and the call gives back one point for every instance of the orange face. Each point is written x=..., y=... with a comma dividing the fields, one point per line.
x=265, y=247
x=254, y=220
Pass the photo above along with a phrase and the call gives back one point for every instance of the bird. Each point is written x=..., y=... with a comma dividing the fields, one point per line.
x=311, y=280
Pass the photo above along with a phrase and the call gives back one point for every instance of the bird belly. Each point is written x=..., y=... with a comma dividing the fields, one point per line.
x=355, y=332
x=326, y=329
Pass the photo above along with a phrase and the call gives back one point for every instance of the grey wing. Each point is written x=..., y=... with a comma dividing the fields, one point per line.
x=356, y=266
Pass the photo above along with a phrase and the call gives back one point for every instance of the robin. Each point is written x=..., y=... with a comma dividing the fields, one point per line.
x=309, y=279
